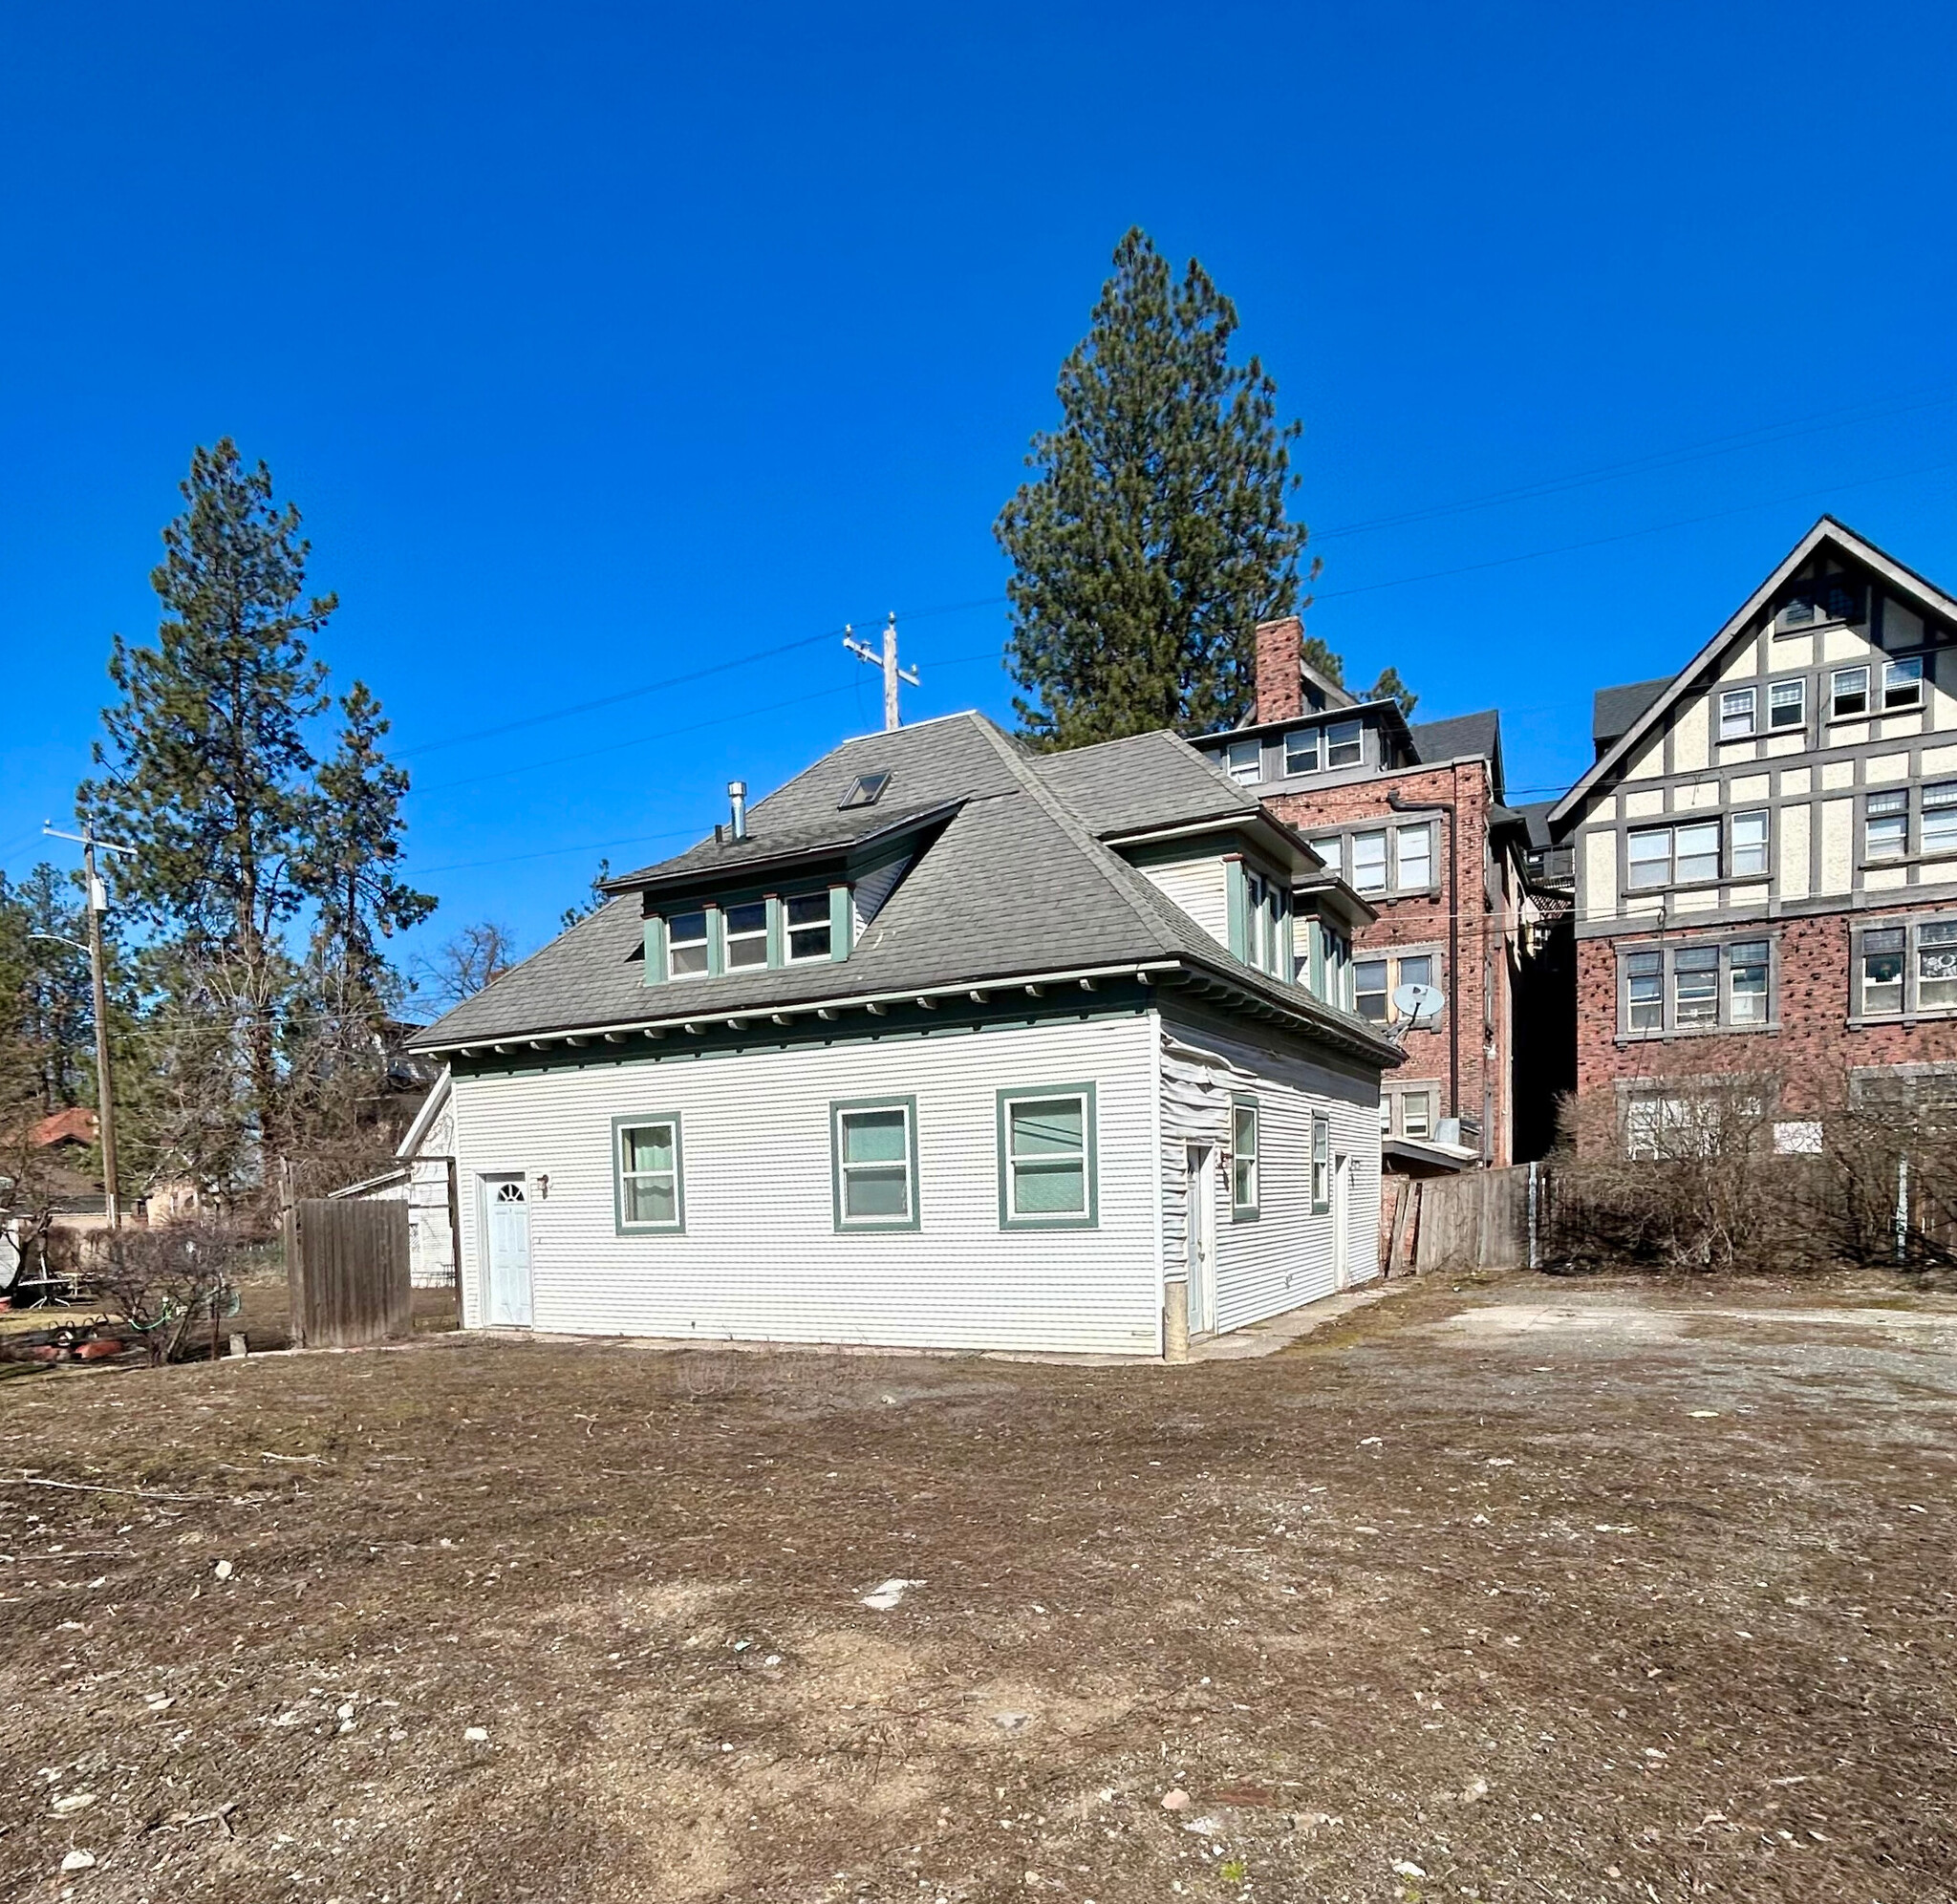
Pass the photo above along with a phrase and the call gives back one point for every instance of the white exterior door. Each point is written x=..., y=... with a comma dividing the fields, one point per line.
x=507, y=1252
x=1342, y=1221
x=1202, y=1238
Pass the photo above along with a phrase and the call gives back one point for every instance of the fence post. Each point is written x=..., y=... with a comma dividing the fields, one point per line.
x=1902, y=1208
x=1535, y=1253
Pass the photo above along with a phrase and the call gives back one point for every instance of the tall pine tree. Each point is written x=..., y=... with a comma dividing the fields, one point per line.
x=1153, y=538
x=204, y=767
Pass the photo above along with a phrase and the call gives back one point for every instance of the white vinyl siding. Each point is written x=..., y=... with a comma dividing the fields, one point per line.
x=1200, y=887
x=761, y=1259
x=1284, y=1258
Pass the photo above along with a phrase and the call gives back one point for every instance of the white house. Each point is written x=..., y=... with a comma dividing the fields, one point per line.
x=945, y=1045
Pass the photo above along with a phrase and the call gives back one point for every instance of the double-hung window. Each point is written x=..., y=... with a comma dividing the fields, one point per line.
x=1672, y=855
x=1320, y=1165
x=746, y=934
x=1886, y=825
x=1332, y=850
x=1697, y=986
x=1940, y=818
x=646, y=1164
x=1413, y=858
x=1243, y=760
x=1736, y=707
x=873, y=1150
x=1369, y=989
x=806, y=918
x=1787, y=705
x=1369, y=862
x=686, y=945
x=1810, y=604
x=1902, y=684
x=1848, y=692
x=1343, y=746
x=1302, y=751
x=1244, y=1158
x=1417, y=1113
x=1749, y=843
x=1906, y=967
x=1046, y=1165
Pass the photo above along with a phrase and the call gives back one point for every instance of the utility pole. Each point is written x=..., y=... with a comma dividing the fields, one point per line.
x=105, y=1092
x=888, y=662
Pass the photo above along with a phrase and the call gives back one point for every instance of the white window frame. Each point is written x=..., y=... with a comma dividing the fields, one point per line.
x=1015, y=1167
x=1331, y=848
x=842, y=1111
x=1424, y=832
x=1735, y=705
x=1243, y=760
x=706, y=944
x=1321, y=1165
x=1945, y=803
x=1885, y=824
x=1656, y=964
x=1670, y=832
x=1784, y=694
x=1245, y=1160
x=1909, y=1006
x=746, y=938
x=1836, y=693
x=623, y=1178
x=1293, y=766
x=1346, y=738
x=1763, y=846
x=1384, y=835
x=1905, y=676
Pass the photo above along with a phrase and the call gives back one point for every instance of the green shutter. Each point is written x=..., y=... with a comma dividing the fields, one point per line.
x=842, y=922
x=717, y=943
x=655, y=951
x=778, y=943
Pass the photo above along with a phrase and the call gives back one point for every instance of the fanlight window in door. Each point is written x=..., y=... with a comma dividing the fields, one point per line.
x=510, y=1193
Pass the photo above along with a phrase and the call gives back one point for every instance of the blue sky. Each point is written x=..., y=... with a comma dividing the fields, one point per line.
x=603, y=346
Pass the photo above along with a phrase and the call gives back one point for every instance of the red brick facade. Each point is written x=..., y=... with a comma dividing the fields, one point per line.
x=1811, y=1047
x=1479, y=997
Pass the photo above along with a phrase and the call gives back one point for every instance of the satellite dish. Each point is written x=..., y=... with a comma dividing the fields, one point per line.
x=1419, y=1005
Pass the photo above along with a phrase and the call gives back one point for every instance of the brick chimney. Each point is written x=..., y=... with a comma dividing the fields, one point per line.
x=1280, y=687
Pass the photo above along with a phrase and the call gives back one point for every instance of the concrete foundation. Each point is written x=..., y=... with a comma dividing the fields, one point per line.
x=1176, y=1322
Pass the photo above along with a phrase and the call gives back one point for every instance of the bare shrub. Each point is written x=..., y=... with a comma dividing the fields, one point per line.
x=164, y=1281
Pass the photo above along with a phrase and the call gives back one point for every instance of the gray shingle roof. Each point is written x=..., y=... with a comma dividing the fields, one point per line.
x=1468, y=735
x=1146, y=781
x=1613, y=710
x=1016, y=884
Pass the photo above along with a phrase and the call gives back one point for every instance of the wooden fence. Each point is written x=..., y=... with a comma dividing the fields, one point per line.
x=348, y=1266
x=1479, y=1219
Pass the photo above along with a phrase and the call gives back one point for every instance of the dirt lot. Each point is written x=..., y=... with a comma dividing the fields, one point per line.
x=1510, y=1591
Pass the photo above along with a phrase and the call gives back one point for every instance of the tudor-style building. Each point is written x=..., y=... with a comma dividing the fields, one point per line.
x=1412, y=817
x=1766, y=851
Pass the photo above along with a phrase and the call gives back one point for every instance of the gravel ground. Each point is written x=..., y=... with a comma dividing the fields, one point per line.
x=1512, y=1588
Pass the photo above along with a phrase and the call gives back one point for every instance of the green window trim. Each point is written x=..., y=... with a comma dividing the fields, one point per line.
x=1236, y=891
x=1087, y=1218
x=643, y=1120
x=778, y=938
x=871, y=1225
x=655, y=949
x=1243, y=1105
x=842, y=922
x=1320, y=1165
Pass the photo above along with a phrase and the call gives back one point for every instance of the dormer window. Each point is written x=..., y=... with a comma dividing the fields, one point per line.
x=865, y=790
x=808, y=926
x=746, y=938
x=686, y=943
x=1302, y=751
x=1342, y=743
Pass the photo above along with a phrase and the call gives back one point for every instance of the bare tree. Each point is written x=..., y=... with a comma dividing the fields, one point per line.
x=476, y=955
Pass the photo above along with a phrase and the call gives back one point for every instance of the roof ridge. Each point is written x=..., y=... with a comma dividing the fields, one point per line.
x=1100, y=857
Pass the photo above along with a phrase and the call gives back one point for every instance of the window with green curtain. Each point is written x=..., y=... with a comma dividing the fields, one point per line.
x=1321, y=1165
x=648, y=1165
x=876, y=1166
x=1046, y=1156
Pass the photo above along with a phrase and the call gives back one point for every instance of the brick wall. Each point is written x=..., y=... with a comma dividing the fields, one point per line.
x=1484, y=1086
x=1280, y=687
x=1811, y=1048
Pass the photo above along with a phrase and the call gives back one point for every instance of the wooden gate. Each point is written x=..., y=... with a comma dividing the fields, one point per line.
x=1476, y=1220
x=347, y=1266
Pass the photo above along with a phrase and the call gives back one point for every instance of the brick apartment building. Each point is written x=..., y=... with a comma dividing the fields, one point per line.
x=1412, y=817
x=1766, y=854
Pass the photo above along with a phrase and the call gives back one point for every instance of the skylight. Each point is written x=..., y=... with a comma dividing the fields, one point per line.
x=866, y=790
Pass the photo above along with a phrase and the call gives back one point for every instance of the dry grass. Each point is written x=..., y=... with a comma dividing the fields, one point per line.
x=1501, y=1605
